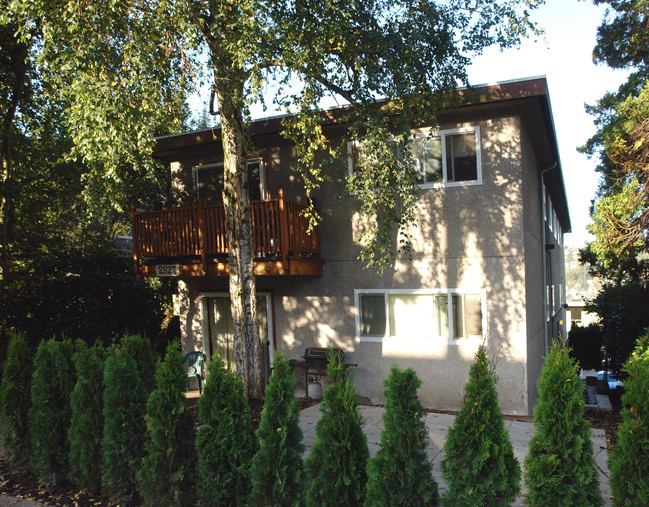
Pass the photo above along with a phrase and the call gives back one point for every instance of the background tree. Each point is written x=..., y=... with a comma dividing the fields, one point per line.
x=401, y=51
x=622, y=311
x=276, y=473
x=628, y=462
x=87, y=418
x=336, y=466
x=480, y=467
x=585, y=345
x=401, y=473
x=226, y=441
x=125, y=397
x=60, y=270
x=49, y=416
x=167, y=473
x=620, y=211
x=560, y=468
x=15, y=402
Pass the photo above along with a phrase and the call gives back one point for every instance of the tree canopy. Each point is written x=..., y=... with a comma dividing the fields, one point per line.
x=621, y=209
x=123, y=65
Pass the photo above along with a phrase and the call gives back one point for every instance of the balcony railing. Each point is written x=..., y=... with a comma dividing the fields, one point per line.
x=190, y=234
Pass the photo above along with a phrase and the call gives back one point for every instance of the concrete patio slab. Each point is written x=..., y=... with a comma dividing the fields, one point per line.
x=520, y=434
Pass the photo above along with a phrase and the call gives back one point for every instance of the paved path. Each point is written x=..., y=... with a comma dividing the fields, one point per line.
x=520, y=434
x=10, y=501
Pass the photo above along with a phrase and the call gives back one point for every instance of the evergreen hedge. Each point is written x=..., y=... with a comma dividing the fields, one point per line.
x=479, y=464
x=560, y=468
x=629, y=458
x=125, y=399
x=139, y=348
x=167, y=473
x=277, y=475
x=49, y=415
x=15, y=401
x=401, y=473
x=87, y=419
x=337, y=464
x=226, y=441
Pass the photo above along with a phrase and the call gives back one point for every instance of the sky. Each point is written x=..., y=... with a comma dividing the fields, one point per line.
x=565, y=58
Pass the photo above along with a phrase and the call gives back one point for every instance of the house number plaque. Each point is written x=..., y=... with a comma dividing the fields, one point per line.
x=167, y=270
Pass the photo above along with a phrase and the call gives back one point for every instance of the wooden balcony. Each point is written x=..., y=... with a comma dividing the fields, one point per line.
x=193, y=241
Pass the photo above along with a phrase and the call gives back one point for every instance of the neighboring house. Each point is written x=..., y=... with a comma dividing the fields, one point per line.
x=487, y=264
x=576, y=314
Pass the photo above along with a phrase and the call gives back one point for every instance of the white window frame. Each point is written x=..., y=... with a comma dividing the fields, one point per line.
x=442, y=134
x=262, y=174
x=447, y=292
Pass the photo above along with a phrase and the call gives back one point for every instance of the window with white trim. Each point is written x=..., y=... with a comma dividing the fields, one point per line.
x=449, y=314
x=442, y=158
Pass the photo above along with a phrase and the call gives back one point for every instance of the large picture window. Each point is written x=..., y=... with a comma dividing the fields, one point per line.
x=447, y=314
x=445, y=158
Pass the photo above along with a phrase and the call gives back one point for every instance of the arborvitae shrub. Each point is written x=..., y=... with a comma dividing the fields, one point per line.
x=560, y=468
x=139, y=348
x=226, y=441
x=49, y=415
x=87, y=420
x=337, y=464
x=167, y=473
x=15, y=401
x=401, y=473
x=479, y=465
x=124, y=428
x=629, y=458
x=277, y=476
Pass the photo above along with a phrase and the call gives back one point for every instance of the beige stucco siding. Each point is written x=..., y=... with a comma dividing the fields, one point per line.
x=470, y=237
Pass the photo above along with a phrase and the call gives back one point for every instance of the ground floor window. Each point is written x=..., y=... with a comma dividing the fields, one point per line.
x=218, y=333
x=450, y=314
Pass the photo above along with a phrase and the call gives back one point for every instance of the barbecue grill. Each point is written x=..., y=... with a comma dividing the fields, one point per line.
x=315, y=364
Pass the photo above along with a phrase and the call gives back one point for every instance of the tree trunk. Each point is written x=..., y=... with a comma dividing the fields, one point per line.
x=238, y=217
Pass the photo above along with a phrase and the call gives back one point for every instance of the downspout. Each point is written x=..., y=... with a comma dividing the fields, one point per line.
x=544, y=267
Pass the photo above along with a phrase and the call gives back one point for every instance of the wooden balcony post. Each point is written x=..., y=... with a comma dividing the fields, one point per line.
x=283, y=229
x=201, y=235
x=135, y=242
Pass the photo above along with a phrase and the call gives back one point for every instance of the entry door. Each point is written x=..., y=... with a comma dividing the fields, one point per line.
x=218, y=335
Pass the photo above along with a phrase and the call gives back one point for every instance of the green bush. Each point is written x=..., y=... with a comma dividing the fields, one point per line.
x=337, y=464
x=226, y=441
x=139, y=348
x=49, y=415
x=15, y=402
x=87, y=420
x=629, y=458
x=479, y=465
x=167, y=473
x=560, y=468
x=277, y=475
x=401, y=473
x=124, y=428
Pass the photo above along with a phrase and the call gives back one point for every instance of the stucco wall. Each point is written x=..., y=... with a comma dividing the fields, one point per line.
x=471, y=237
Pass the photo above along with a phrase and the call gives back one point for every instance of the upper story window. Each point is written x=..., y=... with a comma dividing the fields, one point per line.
x=443, y=158
x=447, y=314
x=208, y=181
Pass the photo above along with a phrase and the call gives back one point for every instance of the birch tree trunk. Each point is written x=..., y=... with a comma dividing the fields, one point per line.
x=238, y=218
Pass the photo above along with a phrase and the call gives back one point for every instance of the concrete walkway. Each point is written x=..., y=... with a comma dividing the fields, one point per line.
x=10, y=501
x=520, y=434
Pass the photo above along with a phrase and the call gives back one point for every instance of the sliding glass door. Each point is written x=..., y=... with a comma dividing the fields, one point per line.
x=218, y=335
